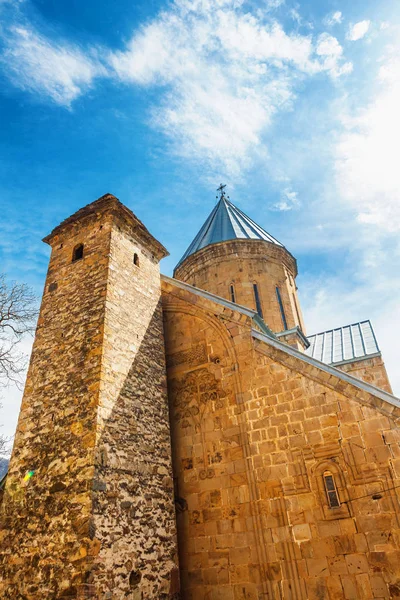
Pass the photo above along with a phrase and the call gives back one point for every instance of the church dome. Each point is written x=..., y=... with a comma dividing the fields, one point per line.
x=226, y=222
x=236, y=259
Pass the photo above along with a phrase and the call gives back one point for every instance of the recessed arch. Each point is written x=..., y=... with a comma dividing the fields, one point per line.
x=77, y=253
x=330, y=482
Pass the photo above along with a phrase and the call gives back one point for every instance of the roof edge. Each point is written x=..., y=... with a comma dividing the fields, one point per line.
x=108, y=203
x=349, y=361
x=252, y=314
x=198, y=253
x=297, y=330
x=358, y=383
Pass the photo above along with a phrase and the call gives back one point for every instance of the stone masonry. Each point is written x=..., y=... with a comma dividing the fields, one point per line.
x=243, y=263
x=96, y=519
x=372, y=370
x=274, y=476
x=254, y=432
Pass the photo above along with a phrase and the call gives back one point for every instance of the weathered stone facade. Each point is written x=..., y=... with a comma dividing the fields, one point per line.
x=285, y=471
x=371, y=369
x=241, y=263
x=254, y=432
x=96, y=519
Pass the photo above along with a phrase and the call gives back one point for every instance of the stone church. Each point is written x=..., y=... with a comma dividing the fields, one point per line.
x=183, y=438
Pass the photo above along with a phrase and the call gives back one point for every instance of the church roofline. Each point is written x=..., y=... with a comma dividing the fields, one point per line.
x=270, y=338
x=252, y=314
x=220, y=248
x=109, y=203
x=341, y=345
x=329, y=369
x=351, y=361
x=297, y=331
x=227, y=222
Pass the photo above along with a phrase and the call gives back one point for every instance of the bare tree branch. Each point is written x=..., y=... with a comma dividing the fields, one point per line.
x=18, y=313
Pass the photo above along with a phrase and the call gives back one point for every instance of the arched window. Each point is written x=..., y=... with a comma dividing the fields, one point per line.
x=232, y=292
x=77, y=253
x=331, y=490
x=283, y=316
x=136, y=259
x=257, y=299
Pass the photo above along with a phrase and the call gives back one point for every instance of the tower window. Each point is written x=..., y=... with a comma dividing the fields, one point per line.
x=136, y=259
x=283, y=316
x=257, y=299
x=297, y=310
x=77, y=253
x=232, y=292
x=331, y=491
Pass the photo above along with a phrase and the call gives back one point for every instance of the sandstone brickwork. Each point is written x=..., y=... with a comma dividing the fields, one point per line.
x=154, y=410
x=371, y=369
x=241, y=263
x=255, y=431
x=88, y=507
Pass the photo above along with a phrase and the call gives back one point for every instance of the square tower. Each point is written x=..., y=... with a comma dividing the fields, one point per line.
x=88, y=507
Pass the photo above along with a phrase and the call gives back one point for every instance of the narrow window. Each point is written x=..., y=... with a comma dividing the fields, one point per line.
x=232, y=291
x=136, y=259
x=297, y=310
x=77, y=253
x=331, y=491
x=278, y=295
x=257, y=299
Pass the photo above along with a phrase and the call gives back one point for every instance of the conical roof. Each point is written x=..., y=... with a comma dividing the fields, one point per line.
x=227, y=222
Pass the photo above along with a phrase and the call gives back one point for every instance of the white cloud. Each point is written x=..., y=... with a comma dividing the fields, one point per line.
x=289, y=200
x=368, y=174
x=333, y=18
x=366, y=290
x=330, y=51
x=272, y=4
x=222, y=73
x=358, y=30
x=225, y=73
x=61, y=71
x=295, y=15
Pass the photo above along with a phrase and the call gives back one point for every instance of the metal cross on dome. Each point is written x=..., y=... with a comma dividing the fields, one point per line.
x=221, y=191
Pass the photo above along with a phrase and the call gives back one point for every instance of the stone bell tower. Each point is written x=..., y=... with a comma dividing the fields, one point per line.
x=236, y=259
x=88, y=507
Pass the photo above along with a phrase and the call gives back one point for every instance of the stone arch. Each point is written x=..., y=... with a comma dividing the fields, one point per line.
x=334, y=468
x=217, y=324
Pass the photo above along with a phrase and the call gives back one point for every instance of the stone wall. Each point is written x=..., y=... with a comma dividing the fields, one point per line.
x=372, y=370
x=242, y=263
x=47, y=543
x=95, y=518
x=134, y=512
x=255, y=433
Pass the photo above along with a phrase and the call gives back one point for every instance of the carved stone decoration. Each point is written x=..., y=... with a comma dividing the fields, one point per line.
x=197, y=355
x=192, y=394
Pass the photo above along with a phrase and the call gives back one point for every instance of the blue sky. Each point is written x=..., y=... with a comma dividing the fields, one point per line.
x=294, y=105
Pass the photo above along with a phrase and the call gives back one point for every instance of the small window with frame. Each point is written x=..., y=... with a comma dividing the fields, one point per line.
x=77, y=254
x=257, y=300
x=282, y=310
x=232, y=293
x=331, y=490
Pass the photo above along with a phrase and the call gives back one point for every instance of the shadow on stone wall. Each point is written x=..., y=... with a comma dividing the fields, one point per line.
x=133, y=507
x=126, y=548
